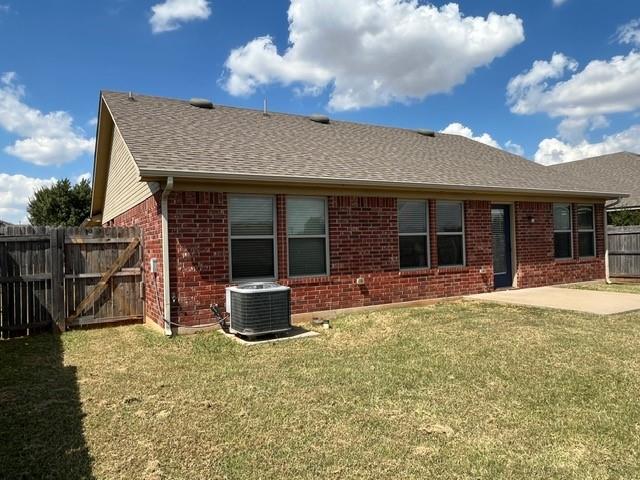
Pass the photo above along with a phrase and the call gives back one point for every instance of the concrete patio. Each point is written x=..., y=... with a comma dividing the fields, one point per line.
x=588, y=301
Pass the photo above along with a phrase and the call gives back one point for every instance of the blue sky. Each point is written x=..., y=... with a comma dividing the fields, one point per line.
x=391, y=62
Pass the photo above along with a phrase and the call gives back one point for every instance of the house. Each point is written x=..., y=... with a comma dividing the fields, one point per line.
x=346, y=214
x=4, y=224
x=616, y=171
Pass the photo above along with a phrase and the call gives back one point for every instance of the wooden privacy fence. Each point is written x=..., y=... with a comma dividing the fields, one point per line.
x=624, y=251
x=68, y=277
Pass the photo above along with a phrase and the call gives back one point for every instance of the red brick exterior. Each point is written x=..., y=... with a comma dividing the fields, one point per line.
x=536, y=265
x=198, y=250
x=363, y=240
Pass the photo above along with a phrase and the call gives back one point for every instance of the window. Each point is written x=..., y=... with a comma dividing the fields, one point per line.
x=450, y=223
x=562, y=234
x=252, y=237
x=412, y=228
x=307, y=233
x=586, y=231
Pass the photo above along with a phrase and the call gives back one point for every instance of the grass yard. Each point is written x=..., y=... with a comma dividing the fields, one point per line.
x=602, y=286
x=458, y=390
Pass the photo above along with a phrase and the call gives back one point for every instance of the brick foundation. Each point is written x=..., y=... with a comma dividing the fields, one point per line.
x=363, y=241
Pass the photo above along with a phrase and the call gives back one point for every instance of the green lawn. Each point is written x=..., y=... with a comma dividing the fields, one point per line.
x=457, y=390
x=604, y=287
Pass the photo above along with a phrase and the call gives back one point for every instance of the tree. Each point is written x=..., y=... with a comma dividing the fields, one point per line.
x=61, y=204
x=623, y=218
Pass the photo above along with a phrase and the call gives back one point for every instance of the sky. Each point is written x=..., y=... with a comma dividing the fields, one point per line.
x=552, y=80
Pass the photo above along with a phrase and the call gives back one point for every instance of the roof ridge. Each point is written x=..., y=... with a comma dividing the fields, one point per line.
x=301, y=115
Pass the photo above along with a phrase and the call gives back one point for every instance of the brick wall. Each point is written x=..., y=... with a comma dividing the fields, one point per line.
x=148, y=216
x=198, y=249
x=363, y=242
x=537, y=265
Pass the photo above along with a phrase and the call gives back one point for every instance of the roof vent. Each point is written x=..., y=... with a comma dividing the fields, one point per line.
x=319, y=118
x=426, y=133
x=201, y=103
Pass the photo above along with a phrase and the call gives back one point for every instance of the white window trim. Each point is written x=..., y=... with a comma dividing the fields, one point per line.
x=586, y=230
x=570, y=230
x=462, y=232
x=325, y=236
x=273, y=237
x=426, y=234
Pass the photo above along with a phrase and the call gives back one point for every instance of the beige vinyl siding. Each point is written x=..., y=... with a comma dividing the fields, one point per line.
x=124, y=188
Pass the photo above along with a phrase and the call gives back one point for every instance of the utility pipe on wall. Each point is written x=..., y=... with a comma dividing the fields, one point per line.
x=166, y=285
x=606, y=239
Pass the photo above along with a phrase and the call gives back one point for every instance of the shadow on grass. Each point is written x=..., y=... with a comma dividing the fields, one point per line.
x=40, y=412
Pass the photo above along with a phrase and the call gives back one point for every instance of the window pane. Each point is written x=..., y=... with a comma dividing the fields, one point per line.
x=586, y=246
x=252, y=258
x=412, y=216
x=449, y=216
x=413, y=251
x=563, y=244
x=307, y=256
x=251, y=215
x=305, y=216
x=585, y=217
x=561, y=216
x=450, y=250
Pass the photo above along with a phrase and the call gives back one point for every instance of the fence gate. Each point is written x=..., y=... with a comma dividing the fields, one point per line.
x=624, y=251
x=68, y=277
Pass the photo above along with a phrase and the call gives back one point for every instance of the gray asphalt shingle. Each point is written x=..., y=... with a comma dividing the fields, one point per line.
x=172, y=137
x=616, y=171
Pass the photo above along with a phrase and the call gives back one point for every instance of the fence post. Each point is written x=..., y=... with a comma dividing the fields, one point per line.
x=57, y=279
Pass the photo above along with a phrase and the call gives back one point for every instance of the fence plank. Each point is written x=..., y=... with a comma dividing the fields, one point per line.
x=46, y=272
x=57, y=279
x=624, y=251
x=103, y=283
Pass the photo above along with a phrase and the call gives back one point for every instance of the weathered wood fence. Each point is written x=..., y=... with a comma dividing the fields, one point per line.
x=624, y=251
x=66, y=277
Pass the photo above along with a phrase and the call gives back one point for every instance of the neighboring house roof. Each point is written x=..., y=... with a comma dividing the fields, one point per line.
x=5, y=224
x=616, y=171
x=168, y=137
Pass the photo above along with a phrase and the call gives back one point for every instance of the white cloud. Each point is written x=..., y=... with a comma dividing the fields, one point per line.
x=557, y=3
x=526, y=92
x=459, y=129
x=514, y=148
x=171, y=14
x=83, y=176
x=464, y=131
x=47, y=139
x=629, y=33
x=552, y=150
x=50, y=151
x=93, y=122
x=15, y=191
x=603, y=87
x=372, y=53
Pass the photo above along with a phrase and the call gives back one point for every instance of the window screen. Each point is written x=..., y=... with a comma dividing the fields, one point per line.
x=252, y=233
x=586, y=231
x=413, y=233
x=450, y=233
x=562, y=231
x=307, y=234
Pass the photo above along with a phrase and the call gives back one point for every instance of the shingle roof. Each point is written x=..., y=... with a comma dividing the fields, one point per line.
x=616, y=171
x=171, y=137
